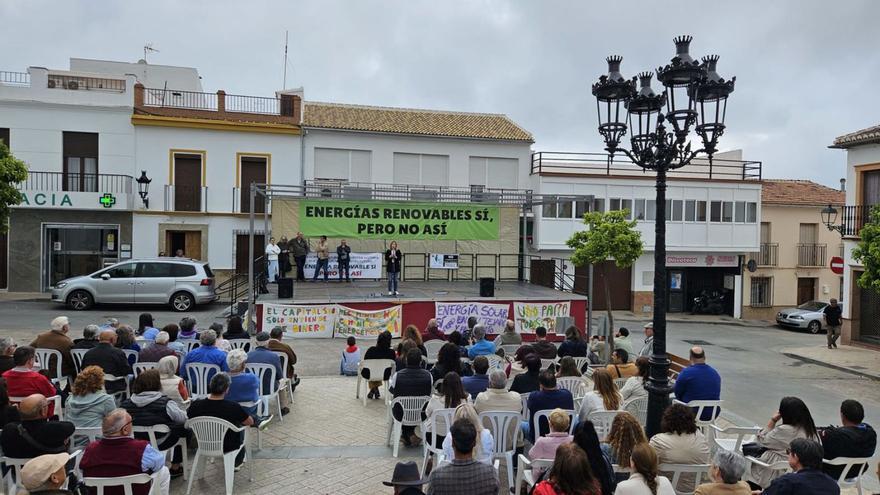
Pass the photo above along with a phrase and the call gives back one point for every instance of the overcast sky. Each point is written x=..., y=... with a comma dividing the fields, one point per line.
x=807, y=71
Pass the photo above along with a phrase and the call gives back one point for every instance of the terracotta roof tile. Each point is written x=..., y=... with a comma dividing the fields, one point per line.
x=799, y=193
x=413, y=121
x=871, y=135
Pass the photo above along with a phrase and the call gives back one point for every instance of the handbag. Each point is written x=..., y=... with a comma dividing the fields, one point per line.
x=753, y=449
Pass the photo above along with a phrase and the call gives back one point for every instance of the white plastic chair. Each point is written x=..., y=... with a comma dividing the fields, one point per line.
x=143, y=343
x=525, y=406
x=412, y=416
x=700, y=406
x=432, y=347
x=504, y=426
x=620, y=382
x=243, y=344
x=496, y=362
x=266, y=395
x=140, y=367
x=546, y=363
x=677, y=470
x=126, y=482
x=778, y=468
x=377, y=369
x=284, y=381
x=574, y=384
x=431, y=425
x=198, y=376
x=510, y=349
x=91, y=434
x=527, y=469
x=190, y=344
x=580, y=362
x=160, y=431
x=13, y=478
x=744, y=434
x=129, y=353
x=209, y=433
x=602, y=422
x=55, y=399
x=45, y=358
x=125, y=392
x=638, y=407
x=78, y=355
x=545, y=415
x=848, y=463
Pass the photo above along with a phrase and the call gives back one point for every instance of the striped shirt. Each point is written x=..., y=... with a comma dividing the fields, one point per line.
x=463, y=477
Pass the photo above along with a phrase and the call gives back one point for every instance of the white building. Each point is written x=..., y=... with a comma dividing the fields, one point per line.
x=861, y=310
x=713, y=221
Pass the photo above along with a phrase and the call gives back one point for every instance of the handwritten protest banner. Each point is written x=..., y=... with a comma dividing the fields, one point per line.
x=528, y=316
x=299, y=321
x=454, y=316
x=367, y=323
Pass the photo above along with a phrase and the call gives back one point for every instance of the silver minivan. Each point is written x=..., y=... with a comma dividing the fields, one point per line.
x=180, y=282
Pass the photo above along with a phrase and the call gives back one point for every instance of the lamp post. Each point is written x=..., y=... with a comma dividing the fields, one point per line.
x=695, y=96
x=829, y=218
x=143, y=183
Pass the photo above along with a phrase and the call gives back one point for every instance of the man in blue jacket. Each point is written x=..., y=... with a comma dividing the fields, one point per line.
x=481, y=346
x=699, y=381
x=805, y=459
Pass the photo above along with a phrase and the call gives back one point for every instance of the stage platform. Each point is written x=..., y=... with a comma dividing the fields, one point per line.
x=360, y=291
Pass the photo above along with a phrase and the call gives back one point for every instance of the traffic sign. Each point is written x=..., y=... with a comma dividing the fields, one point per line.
x=837, y=265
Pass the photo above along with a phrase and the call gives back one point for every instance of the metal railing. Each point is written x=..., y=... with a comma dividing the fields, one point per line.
x=15, y=78
x=471, y=267
x=186, y=198
x=63, y=81
x=218, y=102
x=761, y=294
x=767, y=254
x=853, y=218
x=241, y=202
x=811, y=254
x=174, y=98
x=552, y=162
x=253, y=104
x=359, y=191
x=63, y=181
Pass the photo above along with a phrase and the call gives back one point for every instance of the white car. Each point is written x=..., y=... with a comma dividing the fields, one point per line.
x=808, y=315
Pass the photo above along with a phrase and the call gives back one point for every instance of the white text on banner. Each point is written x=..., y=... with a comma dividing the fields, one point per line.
x=361, y=265
x=299, y=321
x=454, y=316
x=367, y=323
x=529, y=316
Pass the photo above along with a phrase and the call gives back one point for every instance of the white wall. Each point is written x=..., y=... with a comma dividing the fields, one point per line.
x=552, y=233
x=38, y=90
x=383, y=147
x=859, y=155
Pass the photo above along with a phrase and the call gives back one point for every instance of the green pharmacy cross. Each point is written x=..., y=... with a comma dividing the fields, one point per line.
x=107, y=200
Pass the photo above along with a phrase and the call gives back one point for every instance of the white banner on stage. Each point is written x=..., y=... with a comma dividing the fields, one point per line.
x=300, y=321
x=453, y=316
x=530, y=315
x=362, y=265
x=443, y=261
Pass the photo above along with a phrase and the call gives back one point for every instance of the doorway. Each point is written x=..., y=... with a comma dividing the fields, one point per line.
x=75, y=249
x=619, y=285
x=187, y=182
x=241, y=251
x=806, y=290
x=188, y=242
x=254, y=170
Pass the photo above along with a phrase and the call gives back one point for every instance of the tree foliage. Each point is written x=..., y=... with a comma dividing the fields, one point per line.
x=608, y=235
x=12, y=172
x=867, y=252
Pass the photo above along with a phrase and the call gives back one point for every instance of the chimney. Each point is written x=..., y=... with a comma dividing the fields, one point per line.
x=842, y=185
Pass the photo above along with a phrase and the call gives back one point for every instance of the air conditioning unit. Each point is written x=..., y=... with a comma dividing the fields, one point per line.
x=74, y=85
x=52, y=83
x=326, y=188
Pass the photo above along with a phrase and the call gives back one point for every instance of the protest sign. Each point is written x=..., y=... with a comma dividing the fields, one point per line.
x=454, y=316
x=300, y=321
x=361, y=265
x=387, y=219
x=528, y=315
x=367, y=323
x=444, y=261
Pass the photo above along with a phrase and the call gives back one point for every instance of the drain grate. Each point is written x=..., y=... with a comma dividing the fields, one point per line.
x=698, y=342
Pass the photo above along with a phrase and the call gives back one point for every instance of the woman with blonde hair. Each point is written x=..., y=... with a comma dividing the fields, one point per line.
x=603, y=397
x=645, y=478
x=89, y=402
x=545, y=446
x=172, y=385
x=484, y=449
x=625, y=434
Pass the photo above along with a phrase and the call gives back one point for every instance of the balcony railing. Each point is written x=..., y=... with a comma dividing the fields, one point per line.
x=173, y=98
x=241, y=201
x=359, y=191
x=551, y=162
x=186, y=198
x=84, y=83
x=15, y=78
x=285, y=109
x=811, y=254
x=767, y=254
x=853, y=218
x=63, y=181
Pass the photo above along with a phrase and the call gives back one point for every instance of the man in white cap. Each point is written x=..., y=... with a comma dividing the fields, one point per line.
x=46, y=474
x=57, y=339
x=648, y=348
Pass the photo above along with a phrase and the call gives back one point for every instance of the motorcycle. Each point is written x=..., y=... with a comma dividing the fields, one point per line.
x=709, y=303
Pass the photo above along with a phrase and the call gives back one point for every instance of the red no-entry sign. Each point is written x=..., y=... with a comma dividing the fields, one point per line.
x=837, y=265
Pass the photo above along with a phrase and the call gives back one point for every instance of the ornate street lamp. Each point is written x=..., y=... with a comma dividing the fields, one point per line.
x=695, y=96
x=143, y=183
x=829, y=218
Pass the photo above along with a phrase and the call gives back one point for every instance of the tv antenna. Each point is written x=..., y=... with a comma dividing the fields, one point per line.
x=148, y=48
x=284, y=79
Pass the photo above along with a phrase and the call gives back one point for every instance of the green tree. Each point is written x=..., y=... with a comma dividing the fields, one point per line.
x=609, y=235
x=867, y=252
x=12, y=171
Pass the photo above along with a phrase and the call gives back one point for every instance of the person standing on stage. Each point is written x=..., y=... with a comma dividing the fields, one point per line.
x=343, y=254
x=272, y=251
x=323, y=253
x=283, y=257
x=299, y=248
x=392, y=259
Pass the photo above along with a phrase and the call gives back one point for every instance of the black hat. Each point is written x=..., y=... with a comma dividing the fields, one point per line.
x=405, y=474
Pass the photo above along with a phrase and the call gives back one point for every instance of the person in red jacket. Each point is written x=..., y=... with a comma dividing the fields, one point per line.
x=23, y=380
x=118, y=453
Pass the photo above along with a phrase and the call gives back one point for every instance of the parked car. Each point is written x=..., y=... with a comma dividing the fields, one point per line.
x=808, y=315
x=179, y=282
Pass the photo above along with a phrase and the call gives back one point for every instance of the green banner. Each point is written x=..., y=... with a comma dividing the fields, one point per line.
x=395, y=220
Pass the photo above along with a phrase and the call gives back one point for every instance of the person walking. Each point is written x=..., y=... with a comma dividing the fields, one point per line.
x=343, y=255
x=299, y=248
x=323, y=253
x=272, y=251
x=392, y=259
x=833, y=312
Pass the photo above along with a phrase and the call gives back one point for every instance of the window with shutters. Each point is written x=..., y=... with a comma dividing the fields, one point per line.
x=421, y=170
